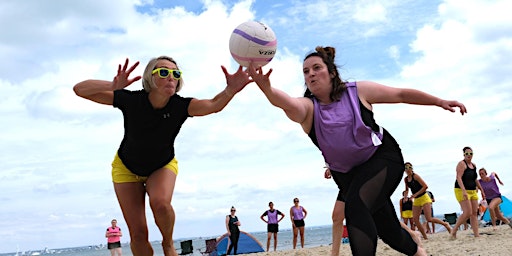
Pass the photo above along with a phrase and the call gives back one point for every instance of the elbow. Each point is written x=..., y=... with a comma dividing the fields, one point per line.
x=76, y=89
x=79, y=89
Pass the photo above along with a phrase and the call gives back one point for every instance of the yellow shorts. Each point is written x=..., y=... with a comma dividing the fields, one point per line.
x=422, y=200
x=407, y=214
x=121, y=174
x=472, y=194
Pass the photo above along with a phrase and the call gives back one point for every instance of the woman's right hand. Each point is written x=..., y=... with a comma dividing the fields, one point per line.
x=121, y=80
x=261, y=79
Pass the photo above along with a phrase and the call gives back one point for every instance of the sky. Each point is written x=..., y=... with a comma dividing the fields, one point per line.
x=56, y=148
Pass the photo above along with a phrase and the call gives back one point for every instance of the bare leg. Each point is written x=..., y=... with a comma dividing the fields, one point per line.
x=467, y=212
x=295, y=234
x=269, y=235
x=416, y=212
x=301, y=229
x=338, y=215
x=474, y=217
x=160, y=187
x=427, y=209
x=131, y=197
x=275, y=241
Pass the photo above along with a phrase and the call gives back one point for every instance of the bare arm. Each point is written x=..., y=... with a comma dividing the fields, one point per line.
x=263, y=219
x=299, y=110
x=227, y=224
x=496, y=175
x=371, y=92
x=235, y=83
x=282, y=217
x=406, y=188
x=101, y=91
x=460, y=171
x=480, y=187
x=305, y=212
x=424, y=186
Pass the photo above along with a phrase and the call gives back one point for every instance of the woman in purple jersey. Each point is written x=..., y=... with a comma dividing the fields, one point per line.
x=297, y=216
x=272, y=221
x=364, y=159
x=492, y=196
x=145, y=161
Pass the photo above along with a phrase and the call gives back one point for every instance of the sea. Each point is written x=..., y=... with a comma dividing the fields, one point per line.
x=314, y=236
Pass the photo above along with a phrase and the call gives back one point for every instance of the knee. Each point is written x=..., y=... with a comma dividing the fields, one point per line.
x=139, y=234
x=160, y=206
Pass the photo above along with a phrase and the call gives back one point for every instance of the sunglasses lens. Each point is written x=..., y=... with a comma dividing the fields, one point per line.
x=176, y=74
x=163, y=73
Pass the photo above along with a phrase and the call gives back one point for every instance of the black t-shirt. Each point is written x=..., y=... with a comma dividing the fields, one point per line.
x=149, y=134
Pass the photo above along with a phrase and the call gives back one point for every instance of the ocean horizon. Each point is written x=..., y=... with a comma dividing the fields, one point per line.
x=314, y=236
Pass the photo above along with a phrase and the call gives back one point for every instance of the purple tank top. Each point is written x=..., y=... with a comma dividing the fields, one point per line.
x=490, y=188
x=297, y=213
x=343, y=138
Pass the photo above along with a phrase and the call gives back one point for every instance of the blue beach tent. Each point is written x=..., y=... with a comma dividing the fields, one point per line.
x=506, y=208
x=246, y=244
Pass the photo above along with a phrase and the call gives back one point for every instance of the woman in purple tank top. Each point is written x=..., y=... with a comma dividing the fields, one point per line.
x=492, y=196
x=297, y=215
x=365, y=160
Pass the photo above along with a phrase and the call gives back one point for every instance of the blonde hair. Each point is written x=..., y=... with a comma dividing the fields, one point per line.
x=147, y=77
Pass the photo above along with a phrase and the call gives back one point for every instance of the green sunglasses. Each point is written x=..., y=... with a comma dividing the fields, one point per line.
x=165, y=72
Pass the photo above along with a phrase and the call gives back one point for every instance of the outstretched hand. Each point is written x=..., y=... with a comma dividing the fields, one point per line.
x=261, y=79
x=450, y=104
x=121, y=80
x=236, y=81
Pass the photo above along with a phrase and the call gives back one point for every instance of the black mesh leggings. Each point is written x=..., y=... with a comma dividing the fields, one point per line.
x=233, y=242
x=368, y=208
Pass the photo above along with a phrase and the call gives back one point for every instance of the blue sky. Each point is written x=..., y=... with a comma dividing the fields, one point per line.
x=56, y=148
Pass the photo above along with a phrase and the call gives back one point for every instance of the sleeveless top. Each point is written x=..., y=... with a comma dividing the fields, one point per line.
x=113, y=239
x=272, y=216
x=231, y=224
x=414, y=185
x=490, y=188
x=406, y=205
x=342, y=136
x=468, y=178
x=297, y=213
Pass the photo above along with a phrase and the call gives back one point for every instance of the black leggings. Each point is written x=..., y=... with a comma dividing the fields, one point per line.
x=369, y=212
x=234, y=242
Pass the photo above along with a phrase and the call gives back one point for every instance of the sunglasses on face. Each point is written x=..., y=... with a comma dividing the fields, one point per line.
x=295, y=201
x=408, y=167
x=165, y=72
x=468, y=153
x=233, y=210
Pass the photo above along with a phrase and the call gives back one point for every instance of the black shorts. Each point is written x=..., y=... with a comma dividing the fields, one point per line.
x=114, y=245
x=489, y=200
x=272, y=228
x=299, y=223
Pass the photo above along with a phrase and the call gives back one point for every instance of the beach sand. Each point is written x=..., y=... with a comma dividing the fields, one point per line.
x=491, y=242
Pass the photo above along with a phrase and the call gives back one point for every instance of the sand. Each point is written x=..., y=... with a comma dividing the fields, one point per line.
x=491, y=242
